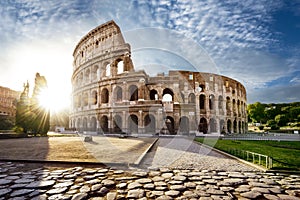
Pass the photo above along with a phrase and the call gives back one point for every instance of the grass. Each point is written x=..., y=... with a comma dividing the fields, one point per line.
x=285, y=154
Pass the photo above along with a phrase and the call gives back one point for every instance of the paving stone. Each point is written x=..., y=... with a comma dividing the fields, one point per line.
x=125, y=178
x=134, y=185
x=172, y=193
x=21, y=192
x=251, y=194
x=190, y=185
x=178, y=187
x=144, y=180
x=214, y=191
x=271, y=197
x=64, y=184
x=157, y=179
x=40, y=184
x=261, y=190
x=231, y=182
x=227, y=189
x=18, y=186
x=175, y=182
x=136, y=193
x=57, y=190
x=37, y=192
x=156, y=193
x=111, y=196
x=80, y=196
x=108, y=183
x=5, y=191
x=160, y=183
x=179, y=178
x=190, y=194
x=164, y=197
x=166, y=175
x=5, y=181
x=140, y=174
x=149, y=186
x=118, y=171
x=275, y=190
x=103, y=191
x=287, y=197
x=12, y=177
x=85, y=189
x=154, y=173
x=121, y=185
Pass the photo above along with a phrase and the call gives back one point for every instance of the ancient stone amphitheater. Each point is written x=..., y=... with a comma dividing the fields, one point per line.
x=109, y=96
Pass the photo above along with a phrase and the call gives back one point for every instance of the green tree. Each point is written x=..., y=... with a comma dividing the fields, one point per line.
x=281, y=120
x=6, y=122
x=256, y=112
x=23, y=114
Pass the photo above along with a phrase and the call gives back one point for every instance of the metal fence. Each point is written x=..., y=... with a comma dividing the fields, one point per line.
x=253, y=157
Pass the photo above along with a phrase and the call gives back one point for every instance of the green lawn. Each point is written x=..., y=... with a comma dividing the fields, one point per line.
x=285, y=154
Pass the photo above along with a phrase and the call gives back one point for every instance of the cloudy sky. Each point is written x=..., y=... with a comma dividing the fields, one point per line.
x=254, y=42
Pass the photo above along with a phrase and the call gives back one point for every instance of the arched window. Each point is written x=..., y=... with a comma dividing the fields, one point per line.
x=220, y=106
x=107, y=70
x=192, y=98
x=184, y=125
x=202, y=127
x=117, y=124
x=93, y=124
x=211, y=102
x=133, y=124
x=94, y=98
x=153, y=95
x=213, y=125
x=104, y=124
x=149, y=124
x=104, y=96
x=168, y=95
x=118, y=94
x=87, y=76
x=202, y=101
x=133, y=93
x=120, y=67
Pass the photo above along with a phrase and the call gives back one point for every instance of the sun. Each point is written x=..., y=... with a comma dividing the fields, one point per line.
x=53, y=99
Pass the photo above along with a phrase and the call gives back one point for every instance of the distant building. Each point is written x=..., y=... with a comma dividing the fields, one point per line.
x=8, y=101
x=109, y=96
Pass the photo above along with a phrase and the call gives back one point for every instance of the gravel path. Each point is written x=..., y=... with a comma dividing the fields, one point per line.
x=184, y=153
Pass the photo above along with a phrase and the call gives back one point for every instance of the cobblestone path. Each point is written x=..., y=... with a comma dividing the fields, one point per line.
x=184, y=153
x=19, y=182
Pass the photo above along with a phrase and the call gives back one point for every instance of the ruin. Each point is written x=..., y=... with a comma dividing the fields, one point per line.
x=109, y=96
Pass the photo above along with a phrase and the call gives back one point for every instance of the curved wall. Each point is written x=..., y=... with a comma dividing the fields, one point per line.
x=109, y=96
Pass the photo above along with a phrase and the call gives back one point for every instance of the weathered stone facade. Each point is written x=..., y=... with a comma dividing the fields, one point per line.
x=109, y=96
x=8, y=101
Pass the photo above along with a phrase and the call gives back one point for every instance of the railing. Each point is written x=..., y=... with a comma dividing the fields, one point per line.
x=253, y=157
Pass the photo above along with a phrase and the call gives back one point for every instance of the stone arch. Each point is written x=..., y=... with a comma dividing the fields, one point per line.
x=192, y=98
x=168, y=95
x=228, y=105
x=222, y=126
x=153, y=95
x=150, y=124
x=104, y=95
x=78, y=124
x=133, y=93
x=234, y=107
x=85, y=124
x=202, y=127
x=120, y=66
x=85, y=99
x=94, y=99
x=94, y=73
x=133, y=123
x=107, y=70
x=239, y=127
x=235, y=126
x=202, y=102
x=213, y=125
x=184, y=125
x=211, y=102
x=93, y=124
x=118, y=94
x=104, y=124
x=87, y=75
x=229, y=124
x=182, y=100
x=169, y=126
x=117, y=124
x=220, y=102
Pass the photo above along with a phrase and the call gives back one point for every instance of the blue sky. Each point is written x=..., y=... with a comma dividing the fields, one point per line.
x=254, y=42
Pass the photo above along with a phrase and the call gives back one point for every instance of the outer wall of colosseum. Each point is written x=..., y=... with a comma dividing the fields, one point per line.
x=109, y=96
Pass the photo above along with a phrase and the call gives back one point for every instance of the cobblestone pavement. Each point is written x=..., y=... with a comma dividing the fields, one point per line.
x=184, y=153
x=18, y=182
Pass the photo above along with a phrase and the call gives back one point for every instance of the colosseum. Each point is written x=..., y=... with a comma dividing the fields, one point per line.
x=109, y=96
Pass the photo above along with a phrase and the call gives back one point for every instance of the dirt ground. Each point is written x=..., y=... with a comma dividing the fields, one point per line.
x=101, y=149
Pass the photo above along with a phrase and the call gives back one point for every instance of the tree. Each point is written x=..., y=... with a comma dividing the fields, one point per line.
x=41, y=115
x=23, y=114
x=256, y=112
x=6, y=122
x=281, y=120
